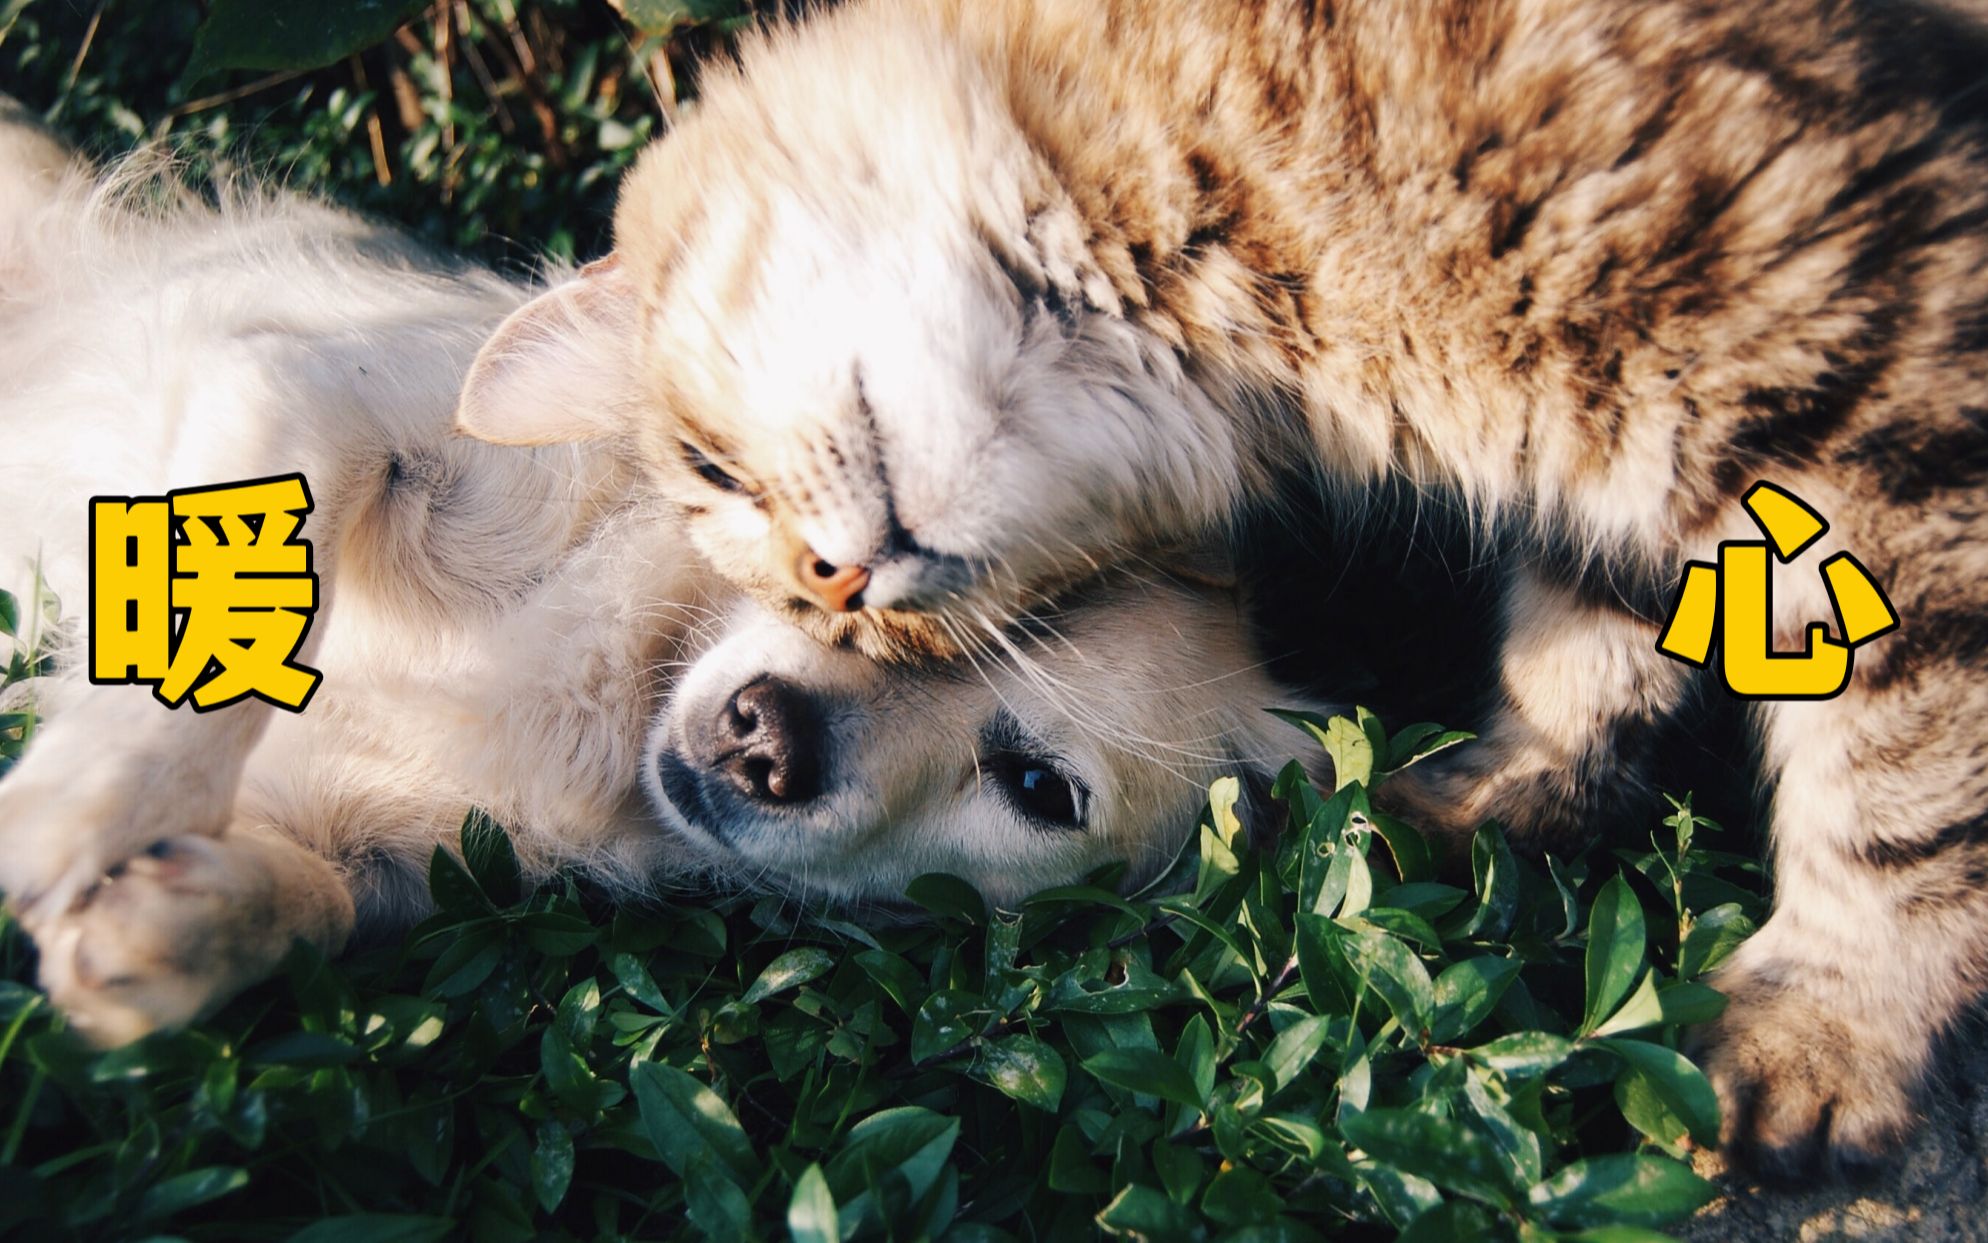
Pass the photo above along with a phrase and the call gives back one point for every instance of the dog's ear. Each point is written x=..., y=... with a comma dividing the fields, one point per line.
x=561, y=367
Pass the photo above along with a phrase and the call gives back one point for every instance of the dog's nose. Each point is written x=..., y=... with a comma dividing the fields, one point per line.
x=837, y=588
x=776, y=729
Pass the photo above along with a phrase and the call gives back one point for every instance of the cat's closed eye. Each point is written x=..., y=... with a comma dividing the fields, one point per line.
x=709, y=471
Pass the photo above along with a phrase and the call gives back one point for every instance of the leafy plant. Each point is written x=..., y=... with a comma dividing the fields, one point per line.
x=1324, y=1041
x=24, y=634
x=488, y=126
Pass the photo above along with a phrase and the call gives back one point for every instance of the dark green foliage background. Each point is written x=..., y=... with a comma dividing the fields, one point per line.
x=1324, y=1042
x=502, y=127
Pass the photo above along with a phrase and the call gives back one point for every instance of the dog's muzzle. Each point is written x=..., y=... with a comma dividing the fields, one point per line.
x=761, y=754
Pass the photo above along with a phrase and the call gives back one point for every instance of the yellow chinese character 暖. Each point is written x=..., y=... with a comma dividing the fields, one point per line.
x=1733, y=602
x=204, y=593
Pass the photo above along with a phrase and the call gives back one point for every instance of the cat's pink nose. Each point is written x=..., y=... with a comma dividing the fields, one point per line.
x=837, y=588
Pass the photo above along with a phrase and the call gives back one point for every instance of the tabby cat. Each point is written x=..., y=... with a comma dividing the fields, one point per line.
x=935, y=306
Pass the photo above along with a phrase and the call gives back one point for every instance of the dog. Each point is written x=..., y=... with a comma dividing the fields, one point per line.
x=520, y=630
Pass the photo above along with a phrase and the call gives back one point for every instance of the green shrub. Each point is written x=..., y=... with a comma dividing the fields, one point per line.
x=485, y=126
x=1321, y=1042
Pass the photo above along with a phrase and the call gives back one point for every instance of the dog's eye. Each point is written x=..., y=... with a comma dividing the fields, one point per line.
x=1038, y=790
x=708, y=470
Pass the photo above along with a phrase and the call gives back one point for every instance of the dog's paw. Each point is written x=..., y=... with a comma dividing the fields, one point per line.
x=160, y=939
x=1807, y=1085
x=65, y=825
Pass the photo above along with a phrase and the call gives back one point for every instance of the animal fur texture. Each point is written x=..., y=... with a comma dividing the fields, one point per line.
x=523, y=631
x=962, y=299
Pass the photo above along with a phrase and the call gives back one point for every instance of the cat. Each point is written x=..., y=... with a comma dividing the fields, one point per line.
x=521, y=631
x=933, y=307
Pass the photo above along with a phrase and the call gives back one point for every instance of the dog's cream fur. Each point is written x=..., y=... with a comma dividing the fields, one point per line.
x=520, y=630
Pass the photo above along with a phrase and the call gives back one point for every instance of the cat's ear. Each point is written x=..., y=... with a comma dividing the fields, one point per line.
x=561, y=367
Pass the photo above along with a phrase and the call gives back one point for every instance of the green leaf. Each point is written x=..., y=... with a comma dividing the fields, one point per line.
x=10, y=614
x=811, y=1210
x=1329, y=979
x=1026, y=1069
x=1348, y=745
x=304, y=1048
x=1713, y=937
x=1402, y=1197
x=579, y=1010
x=1322, y=862
x=1180, y=1170
x=1406, y=925
x=713, y=1202
x=1415, y=743
x=1296, y=1046
x=1670, y=1077
x=454, y=890
x=896, y=977
x=466, y=963
x=1492, y=1100
x=1522, y=1055
x=1616, y=942
x=1143, y=1213
x=555, y=933
x=1449, y=1222
x=1566, y=883
x=375, y=1228
x=1638, y=1189
x=1184, y=908
x=908, y=1141
x=487, y=853
x=1239, y=1196
x=1196, y=1052
x=1138, y=993
x=636, y=981
x=1447, y=1153
x=791, y=970
x=570, y=1077
x=189, y=1190
x=946, y=1021
x=1496, y=874
x=1145, y=1072
x=1685, y=1002
x=1351, y=750
x=297, y=34
x=660, y=17
x=1071, y=1168
x=1466, y=993
x=552, y=1165
x=1407, y=846
x=682, y=1116
x=1391, y=969
x=948, y=897
x=1642, y=1009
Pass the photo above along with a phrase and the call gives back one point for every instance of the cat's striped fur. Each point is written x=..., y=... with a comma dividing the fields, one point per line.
x=977, y=294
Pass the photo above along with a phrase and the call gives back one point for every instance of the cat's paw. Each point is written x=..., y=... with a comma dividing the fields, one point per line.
x=1807, y=1084
x=161, y=939
x=1450, y=802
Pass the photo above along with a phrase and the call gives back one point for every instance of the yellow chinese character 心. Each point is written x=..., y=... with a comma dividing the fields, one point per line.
x=1733, y=601
x=204, y=593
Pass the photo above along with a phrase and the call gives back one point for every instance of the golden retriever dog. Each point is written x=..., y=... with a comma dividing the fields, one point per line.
x=521, y=630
